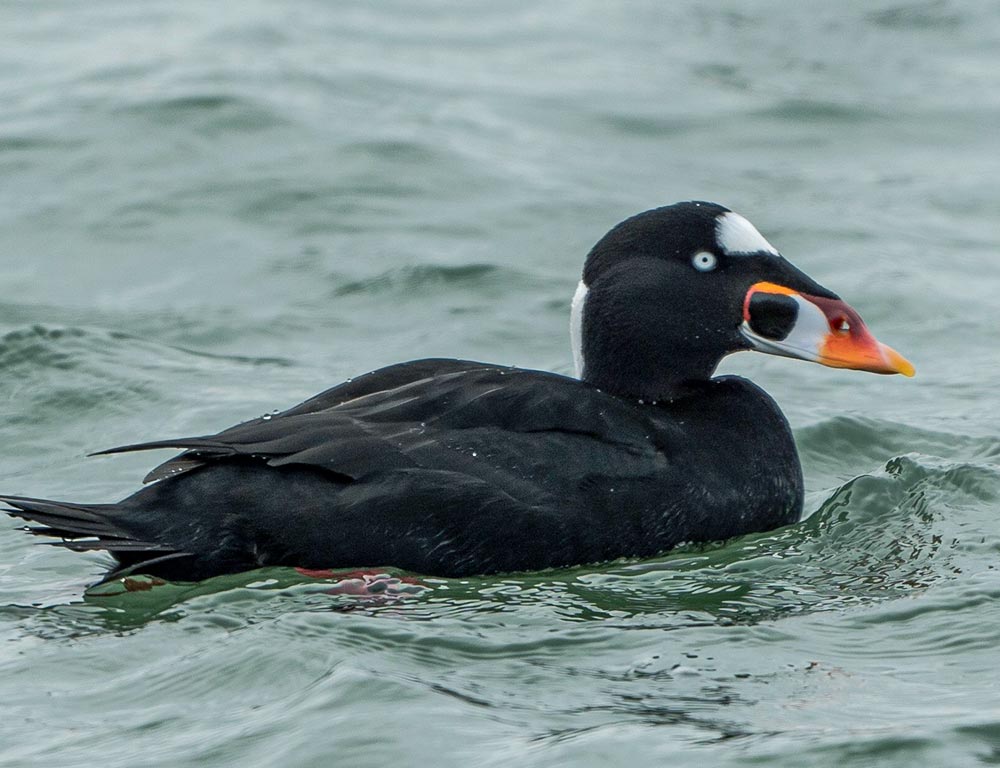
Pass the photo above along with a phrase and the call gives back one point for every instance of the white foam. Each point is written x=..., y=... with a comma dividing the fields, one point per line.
x=736, y=235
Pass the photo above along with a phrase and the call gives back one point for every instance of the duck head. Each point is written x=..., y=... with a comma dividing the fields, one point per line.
x=668, y=293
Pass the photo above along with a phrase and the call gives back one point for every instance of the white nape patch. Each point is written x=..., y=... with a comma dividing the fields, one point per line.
x=735, y=235
x=576, y=327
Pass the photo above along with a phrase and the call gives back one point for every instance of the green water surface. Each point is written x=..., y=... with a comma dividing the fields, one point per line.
x=212, y=210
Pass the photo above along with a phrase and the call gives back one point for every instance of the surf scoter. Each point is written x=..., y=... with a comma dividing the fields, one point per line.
x=451, y=467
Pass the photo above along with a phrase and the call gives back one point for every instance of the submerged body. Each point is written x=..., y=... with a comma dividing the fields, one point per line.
x=452, y=468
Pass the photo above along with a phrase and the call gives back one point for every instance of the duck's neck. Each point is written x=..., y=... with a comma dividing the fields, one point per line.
x=636, y=382
x=623, y=345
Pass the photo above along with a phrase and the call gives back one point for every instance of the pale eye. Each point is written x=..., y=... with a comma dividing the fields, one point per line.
x=704, y=261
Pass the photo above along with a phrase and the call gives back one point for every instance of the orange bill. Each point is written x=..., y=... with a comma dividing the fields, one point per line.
x=781, y=321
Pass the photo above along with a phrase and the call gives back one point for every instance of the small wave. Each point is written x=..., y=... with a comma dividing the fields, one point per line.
x=324, y=206
x=935, y=15
x=725, y=75
x=648, y=125
x=838, y=448
x=43, y=346
x=433, y=277
x=74, y=348
x=393, y=151
x=30, y=143
x=825, y=112
x=55, y=374
x=209, y=114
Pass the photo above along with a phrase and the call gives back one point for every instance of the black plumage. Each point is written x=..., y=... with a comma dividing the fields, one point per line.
x=453, y=467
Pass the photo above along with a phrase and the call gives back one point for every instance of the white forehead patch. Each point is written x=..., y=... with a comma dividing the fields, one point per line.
x=734, y=234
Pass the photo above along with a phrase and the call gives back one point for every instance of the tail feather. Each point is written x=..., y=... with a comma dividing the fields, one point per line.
x=89, y=527
x=82, y=527
x=65, y=519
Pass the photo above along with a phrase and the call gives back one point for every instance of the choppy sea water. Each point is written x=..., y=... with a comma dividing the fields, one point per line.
x=209, y=211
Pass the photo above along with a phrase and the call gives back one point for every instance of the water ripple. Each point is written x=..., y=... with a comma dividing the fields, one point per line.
x=210, y=114
x=435, y=278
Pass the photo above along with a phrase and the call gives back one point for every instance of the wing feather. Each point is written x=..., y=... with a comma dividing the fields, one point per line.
x=431, y=414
